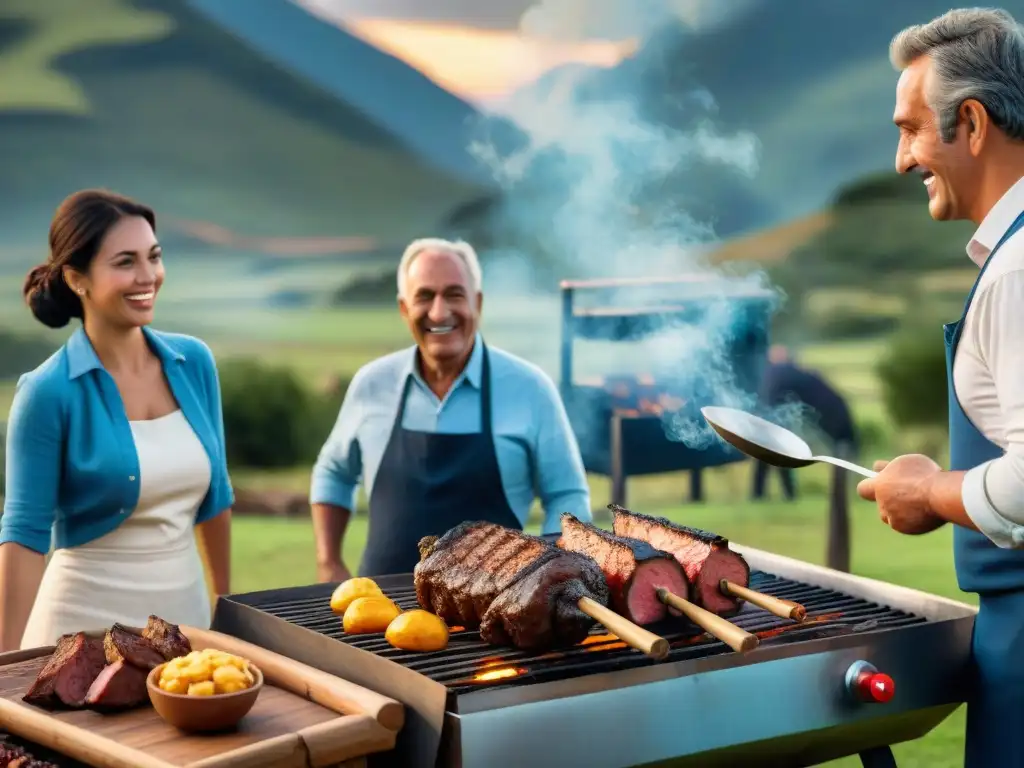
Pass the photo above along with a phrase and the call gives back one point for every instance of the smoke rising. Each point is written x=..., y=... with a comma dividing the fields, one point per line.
x=600, y=182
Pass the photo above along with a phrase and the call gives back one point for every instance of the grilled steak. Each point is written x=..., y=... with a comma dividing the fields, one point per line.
x=16, y=757
x=122, y=644
x=77, y=660
x=167, y=638
x=120, y=685
x=633, y=568
x=518, y=589
x=705, y=557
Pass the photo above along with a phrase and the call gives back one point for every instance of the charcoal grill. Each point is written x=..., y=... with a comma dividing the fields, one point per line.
x=791, y=702
x=619, y=420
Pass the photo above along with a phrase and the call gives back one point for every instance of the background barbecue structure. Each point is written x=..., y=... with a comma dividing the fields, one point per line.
x=286, y=186
x=623, y=422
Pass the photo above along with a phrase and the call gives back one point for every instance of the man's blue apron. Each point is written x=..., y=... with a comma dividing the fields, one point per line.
x=429, y=482
x=995, y=710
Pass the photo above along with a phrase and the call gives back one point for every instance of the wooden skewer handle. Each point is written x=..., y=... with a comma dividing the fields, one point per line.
x=785, y=609
x=631, y=634
x=735, y=637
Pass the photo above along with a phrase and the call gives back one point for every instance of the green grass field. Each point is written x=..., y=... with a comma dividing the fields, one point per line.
x=275, y=553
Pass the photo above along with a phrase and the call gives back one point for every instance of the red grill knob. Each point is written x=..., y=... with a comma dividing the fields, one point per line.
x=869, y=685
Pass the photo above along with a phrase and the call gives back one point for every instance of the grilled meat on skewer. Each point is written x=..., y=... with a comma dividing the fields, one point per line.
x=705, y=557
x=633, y=568
x=518, y=589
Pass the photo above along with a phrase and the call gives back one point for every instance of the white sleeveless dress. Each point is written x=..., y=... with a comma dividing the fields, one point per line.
x=150, y=564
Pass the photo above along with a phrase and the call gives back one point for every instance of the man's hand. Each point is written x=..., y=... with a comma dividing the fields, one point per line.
x=902, y=491
x=331, y=572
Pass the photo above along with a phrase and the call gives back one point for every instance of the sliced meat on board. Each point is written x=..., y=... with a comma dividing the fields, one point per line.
x=705, y=557
x=633, y=569
x=122, y=644
x=518, y=589
x=76, y=662
x=167, y=638
x=119, y=686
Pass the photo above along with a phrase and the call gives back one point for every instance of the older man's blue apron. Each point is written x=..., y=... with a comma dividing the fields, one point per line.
x=429, y=482
x=995, y=710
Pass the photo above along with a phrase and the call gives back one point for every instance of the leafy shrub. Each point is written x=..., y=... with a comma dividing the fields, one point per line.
x=270, y=418
x=19, y=354
x=912, y=372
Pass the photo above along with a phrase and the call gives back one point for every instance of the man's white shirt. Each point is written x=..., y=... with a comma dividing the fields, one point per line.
x=988, y=373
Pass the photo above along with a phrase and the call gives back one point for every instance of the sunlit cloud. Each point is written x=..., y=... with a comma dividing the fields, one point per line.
x=479, y=65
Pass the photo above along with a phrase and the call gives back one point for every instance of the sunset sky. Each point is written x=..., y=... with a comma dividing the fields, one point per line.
x=474, y=50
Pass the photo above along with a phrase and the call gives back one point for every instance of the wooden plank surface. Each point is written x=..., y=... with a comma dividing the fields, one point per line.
x=284, y=728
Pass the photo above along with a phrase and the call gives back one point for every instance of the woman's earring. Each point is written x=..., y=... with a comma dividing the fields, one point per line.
x=81, y=291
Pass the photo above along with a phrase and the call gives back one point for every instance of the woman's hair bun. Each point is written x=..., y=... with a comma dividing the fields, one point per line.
x=51, y=300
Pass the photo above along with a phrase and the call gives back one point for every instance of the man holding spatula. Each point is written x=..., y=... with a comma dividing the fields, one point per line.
x=960, y=114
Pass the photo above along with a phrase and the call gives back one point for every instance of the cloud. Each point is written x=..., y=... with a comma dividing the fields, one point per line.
x=615, y=20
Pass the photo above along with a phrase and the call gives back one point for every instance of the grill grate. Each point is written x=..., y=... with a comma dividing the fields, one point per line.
x=469, y=664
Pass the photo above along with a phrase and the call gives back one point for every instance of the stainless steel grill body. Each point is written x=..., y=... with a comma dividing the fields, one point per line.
x=603, y=706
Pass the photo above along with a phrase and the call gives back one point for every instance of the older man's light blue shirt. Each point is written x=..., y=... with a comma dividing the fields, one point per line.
x=536, y=449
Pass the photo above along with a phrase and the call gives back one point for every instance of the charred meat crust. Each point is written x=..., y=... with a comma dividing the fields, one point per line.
x=167, y=638
x=574, y=527
x=518, y=589
x=123, y=644
x=706, y=537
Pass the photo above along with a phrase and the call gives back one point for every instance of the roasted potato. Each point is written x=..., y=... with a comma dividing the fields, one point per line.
x=418, y=630
x=369, y=614
x=206, y=673
x=353, y=589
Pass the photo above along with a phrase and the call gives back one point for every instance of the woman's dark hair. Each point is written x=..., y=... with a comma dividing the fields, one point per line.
x=76, y=232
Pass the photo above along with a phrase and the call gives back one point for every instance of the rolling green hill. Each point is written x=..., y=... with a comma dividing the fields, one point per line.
x=150, y=98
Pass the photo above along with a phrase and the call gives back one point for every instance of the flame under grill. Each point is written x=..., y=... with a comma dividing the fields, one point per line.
x=469, y=664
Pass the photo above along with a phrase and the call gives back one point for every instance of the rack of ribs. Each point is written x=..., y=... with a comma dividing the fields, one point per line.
x=633, y=568
x=705, y=557
x=518, y=589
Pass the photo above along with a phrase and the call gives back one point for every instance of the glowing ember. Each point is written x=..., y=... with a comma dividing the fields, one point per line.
x=602, y=643
x=497, y=674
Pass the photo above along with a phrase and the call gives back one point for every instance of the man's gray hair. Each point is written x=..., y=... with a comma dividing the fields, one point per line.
x=977, y=53
x=458, y=248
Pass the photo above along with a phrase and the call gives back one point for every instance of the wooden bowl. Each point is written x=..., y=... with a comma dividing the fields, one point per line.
x=199, y=714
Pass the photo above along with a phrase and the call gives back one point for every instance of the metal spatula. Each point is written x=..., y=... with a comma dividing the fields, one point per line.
x=769, y=442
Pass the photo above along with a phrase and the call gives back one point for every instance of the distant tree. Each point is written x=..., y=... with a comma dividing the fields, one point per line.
x=912, y=372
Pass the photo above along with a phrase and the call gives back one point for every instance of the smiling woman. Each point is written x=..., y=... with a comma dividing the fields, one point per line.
x=115, y=444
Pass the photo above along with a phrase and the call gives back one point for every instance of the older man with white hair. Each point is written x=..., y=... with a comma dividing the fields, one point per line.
x=960, y=114
x=445, y=431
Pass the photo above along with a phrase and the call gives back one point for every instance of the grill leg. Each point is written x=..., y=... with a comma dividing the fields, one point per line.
x=879, y=757
x=617, y=461
x=696, y=486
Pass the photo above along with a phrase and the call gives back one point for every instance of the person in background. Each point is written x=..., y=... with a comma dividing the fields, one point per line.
x=445, y=431
x=115, y=444
x=786, y=382
x=960, y=114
